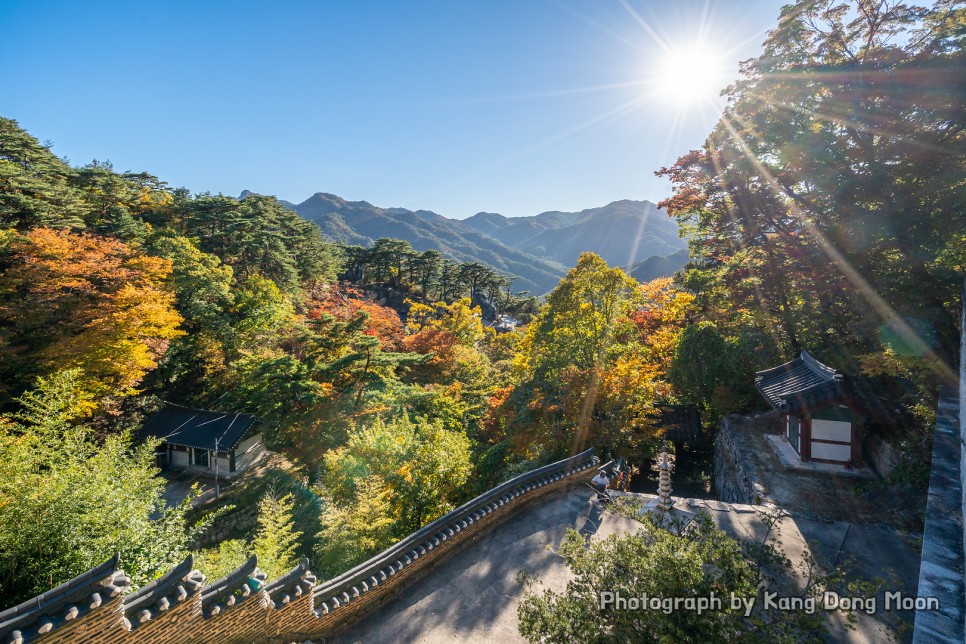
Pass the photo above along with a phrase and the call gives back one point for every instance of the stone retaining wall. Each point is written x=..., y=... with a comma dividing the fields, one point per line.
x=227, y=527
x=736, y=476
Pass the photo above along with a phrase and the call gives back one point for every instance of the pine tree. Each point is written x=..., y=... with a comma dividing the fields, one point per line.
x=277, y=539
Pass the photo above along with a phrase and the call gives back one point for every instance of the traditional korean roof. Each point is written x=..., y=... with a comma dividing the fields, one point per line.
x=680, y=423
x=802, y=383
x=232, y=589
x=69, y=601
x=198, y=428
x=293, y=584
x=162, y=594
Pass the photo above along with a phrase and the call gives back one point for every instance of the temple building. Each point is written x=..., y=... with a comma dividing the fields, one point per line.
x=199, y=439
x=822, y=419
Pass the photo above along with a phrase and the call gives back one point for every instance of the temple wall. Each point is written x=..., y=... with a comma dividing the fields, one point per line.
x=942, y=571
x=241, y=607
x=736, y=476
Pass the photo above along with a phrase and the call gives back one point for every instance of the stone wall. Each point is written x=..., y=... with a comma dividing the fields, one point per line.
x=882, y=457
x=241, y=607
x=228, y=526
x=942, y=571
x=736, y=476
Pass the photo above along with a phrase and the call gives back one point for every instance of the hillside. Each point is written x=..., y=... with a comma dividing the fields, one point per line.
x=656, y=266
x=621, y=232
x=538, y=249
x=361, y=223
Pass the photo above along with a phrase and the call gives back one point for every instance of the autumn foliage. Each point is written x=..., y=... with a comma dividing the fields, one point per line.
x=347, y=303
x=74, y=300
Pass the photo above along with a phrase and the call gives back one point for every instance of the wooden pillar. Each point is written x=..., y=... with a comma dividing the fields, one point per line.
x=805, y=437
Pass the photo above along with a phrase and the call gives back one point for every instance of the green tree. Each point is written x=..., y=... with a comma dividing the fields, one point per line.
x=353, y=532
x=218, y=562
x=664, y=562
x=423, y=465
x=35, y=186
x=112, y=200
x=277, y=540
x=568, y=361
x=259, y=235
x=575, y=327
x=202, y=284
x=262, y=314
x=389, y=257
x=69, y=501
x=827, y=195
x=427, y=266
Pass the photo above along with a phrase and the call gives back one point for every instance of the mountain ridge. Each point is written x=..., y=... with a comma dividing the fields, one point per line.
x=537, y=249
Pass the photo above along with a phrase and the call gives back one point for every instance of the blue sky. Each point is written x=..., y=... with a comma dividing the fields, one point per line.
x=510, y=106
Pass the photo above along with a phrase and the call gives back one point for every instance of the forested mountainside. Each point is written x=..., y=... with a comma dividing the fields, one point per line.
x=534, y=249
x=823, y=212
x=622, y=232
x=360, y=223
x=657, y=266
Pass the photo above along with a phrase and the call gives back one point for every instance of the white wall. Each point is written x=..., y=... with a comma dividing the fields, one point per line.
x=179, y=457
x=831, y=430
x=830, y=452
x=224, y=463
x=249, y=451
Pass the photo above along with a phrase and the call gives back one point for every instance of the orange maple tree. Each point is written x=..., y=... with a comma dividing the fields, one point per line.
x=346, y=303
x=70, y=300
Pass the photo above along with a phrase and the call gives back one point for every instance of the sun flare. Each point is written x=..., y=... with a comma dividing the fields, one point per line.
x=690, y=75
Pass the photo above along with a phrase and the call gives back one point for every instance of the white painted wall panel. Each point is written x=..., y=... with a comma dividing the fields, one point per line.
x=831, y=430
x=223, y=464
x=179, y=458
x=248, y=443
x=830, y=452
x=248, y=452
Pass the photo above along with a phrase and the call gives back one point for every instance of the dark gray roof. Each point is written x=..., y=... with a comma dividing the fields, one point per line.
x=232, y=589
x=47, y=612
x=162, y=594
x=802, y=383
x=198, y=428
x=680, y=423
x=296, y=582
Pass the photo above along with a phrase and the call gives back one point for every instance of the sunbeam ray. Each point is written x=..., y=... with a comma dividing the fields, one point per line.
x=759, y=295
x=862, y=286
x=600, y=119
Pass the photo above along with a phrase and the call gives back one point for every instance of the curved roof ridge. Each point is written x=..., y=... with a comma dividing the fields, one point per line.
x=85, y=592
x=818, y=367
x=160, y=586
x=785, y=383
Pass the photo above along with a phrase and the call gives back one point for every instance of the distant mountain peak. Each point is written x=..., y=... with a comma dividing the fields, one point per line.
x=537, y=249
x=326, y=196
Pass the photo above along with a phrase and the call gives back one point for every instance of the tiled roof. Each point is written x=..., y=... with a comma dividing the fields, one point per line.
x=802, y=383
x=296, y=582
x=69, y=601
x=680, y=423
x=198, y=428
x=232, y=589
x=162, y=594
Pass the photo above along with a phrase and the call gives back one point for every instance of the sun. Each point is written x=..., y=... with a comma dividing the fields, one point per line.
x=690, y=76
